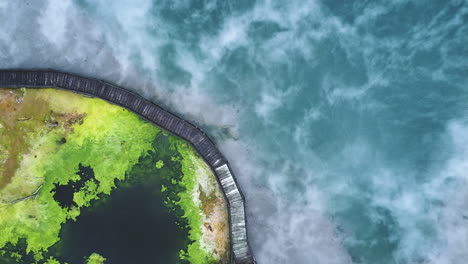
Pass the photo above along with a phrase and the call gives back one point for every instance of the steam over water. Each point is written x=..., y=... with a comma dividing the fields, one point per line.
x=346, y=122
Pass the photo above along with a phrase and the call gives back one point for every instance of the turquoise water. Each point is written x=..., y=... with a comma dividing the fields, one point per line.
x=346, y=122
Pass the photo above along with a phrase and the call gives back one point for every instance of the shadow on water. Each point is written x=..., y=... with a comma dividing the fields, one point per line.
x=132, y=225
x=19, y=250
x=63, y=194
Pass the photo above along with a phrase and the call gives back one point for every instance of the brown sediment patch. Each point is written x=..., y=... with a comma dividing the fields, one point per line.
x=222, y=239
x=69, y=119
x=208, y=202
x=215, y=225
x=23, y=114
x=12, y=139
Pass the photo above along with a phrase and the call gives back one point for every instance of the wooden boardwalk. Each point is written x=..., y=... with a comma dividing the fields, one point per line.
x=206, y=148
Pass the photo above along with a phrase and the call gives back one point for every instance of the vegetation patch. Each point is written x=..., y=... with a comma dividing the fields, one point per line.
x=60, y=152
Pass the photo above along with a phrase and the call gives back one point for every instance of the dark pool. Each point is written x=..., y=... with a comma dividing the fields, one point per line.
x=132, y=225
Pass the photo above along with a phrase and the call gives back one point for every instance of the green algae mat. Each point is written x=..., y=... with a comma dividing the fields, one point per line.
x=86, y=181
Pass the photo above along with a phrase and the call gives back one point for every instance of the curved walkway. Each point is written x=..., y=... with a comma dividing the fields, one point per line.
x=162, y=118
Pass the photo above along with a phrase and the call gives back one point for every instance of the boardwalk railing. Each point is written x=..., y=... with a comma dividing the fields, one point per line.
x=206, y=148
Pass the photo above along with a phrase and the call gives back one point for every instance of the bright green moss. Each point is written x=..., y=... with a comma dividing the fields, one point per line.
x=195, y=253
x=159, y=164
x=95, y=259
x=52, y=260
